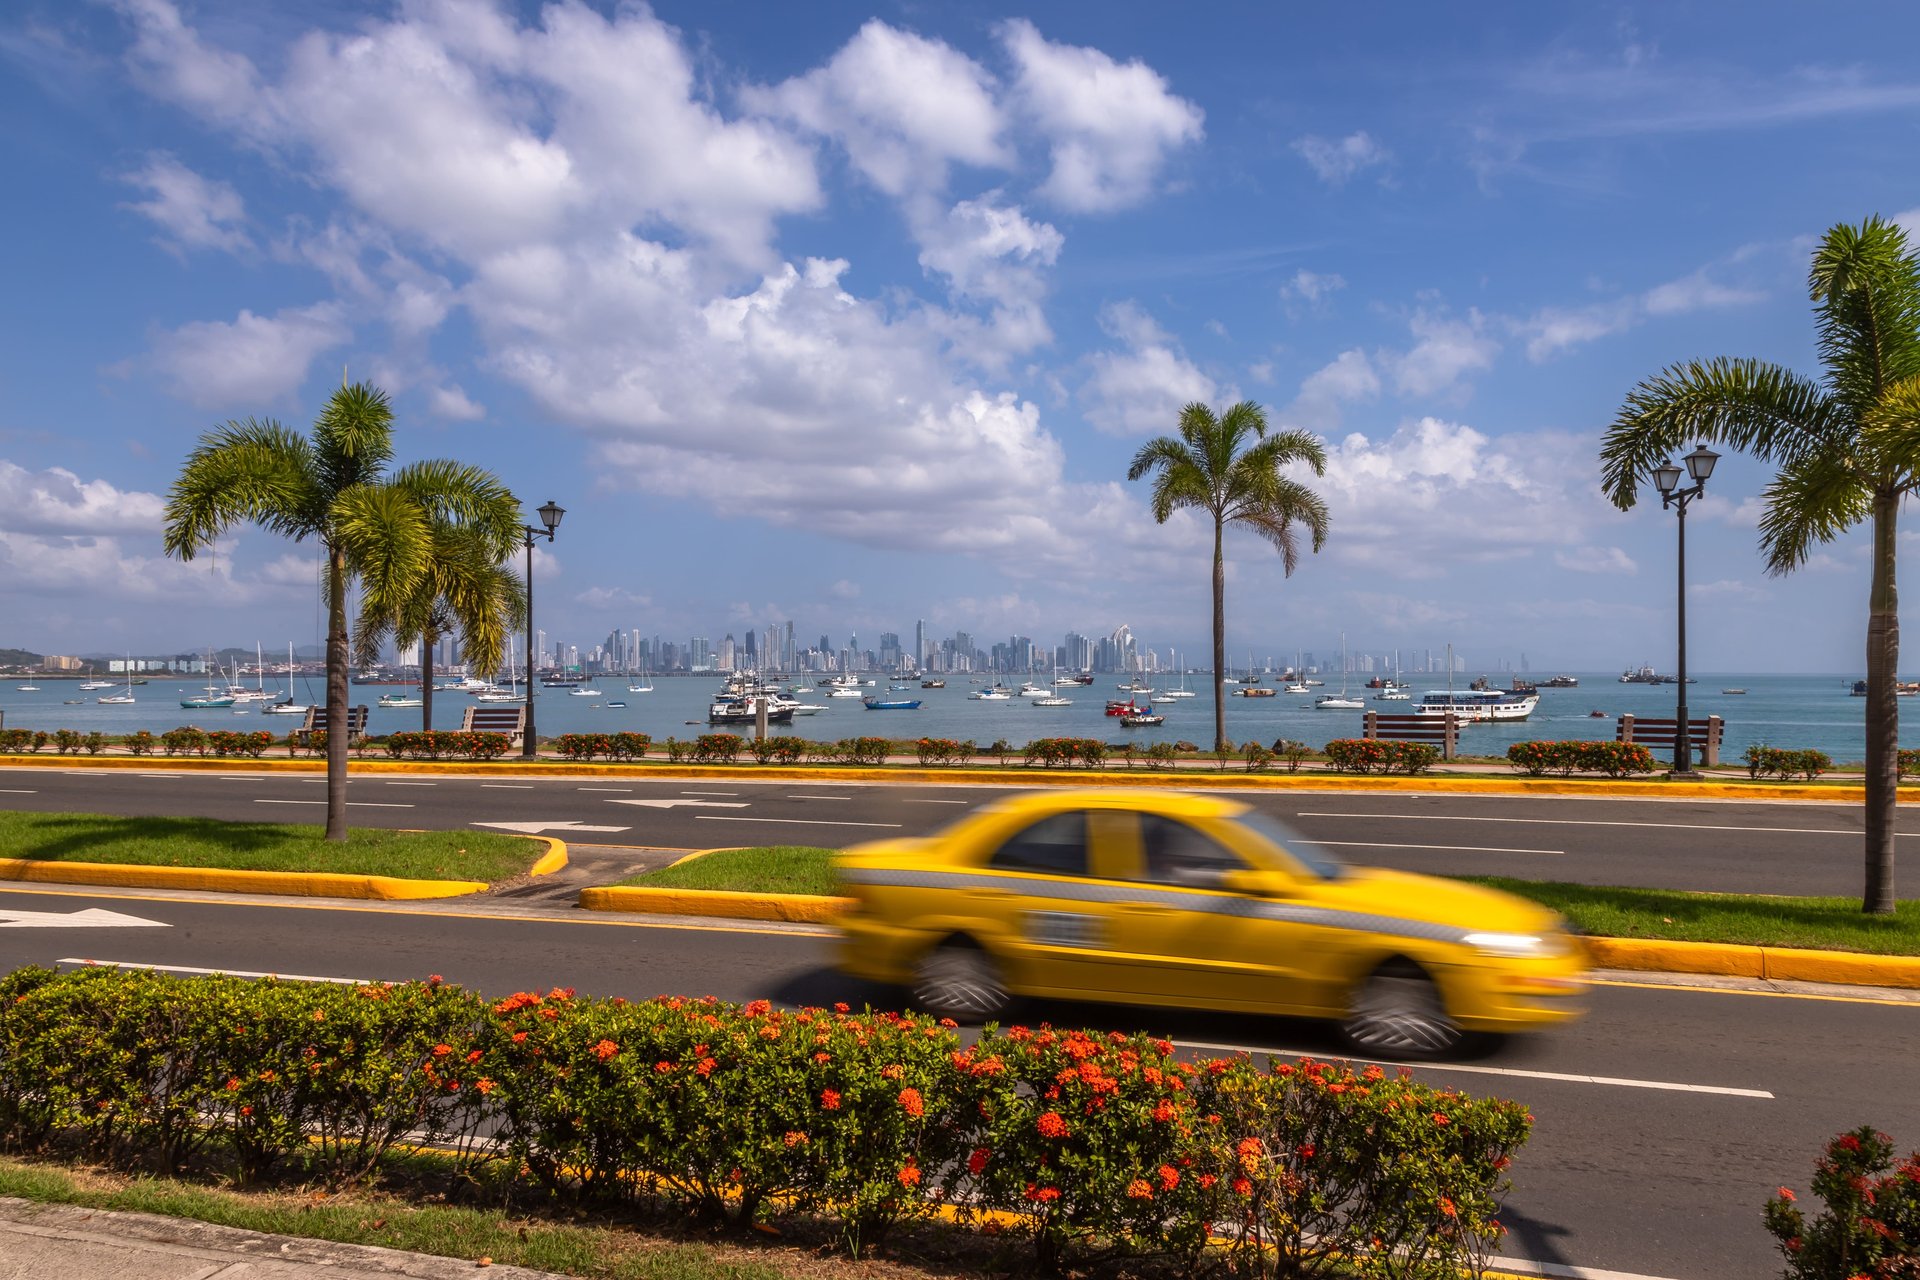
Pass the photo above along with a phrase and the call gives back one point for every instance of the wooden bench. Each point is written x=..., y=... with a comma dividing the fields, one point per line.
x=1704, y=733
x=316, y=721
x=1444, y=730
x=498, y=718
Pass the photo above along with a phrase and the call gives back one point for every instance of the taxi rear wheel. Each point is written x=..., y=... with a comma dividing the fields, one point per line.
x=1398, y=1011
x=958, y=980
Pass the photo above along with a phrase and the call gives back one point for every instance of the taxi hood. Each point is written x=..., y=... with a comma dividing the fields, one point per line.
x=1409, y=896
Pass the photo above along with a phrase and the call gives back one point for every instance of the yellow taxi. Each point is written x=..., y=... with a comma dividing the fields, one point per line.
x=1199, y=902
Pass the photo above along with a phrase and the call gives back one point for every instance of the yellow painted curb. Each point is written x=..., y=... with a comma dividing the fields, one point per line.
x=298, y=883
x=1785, y=964
x=552, y=860
x=798, y=908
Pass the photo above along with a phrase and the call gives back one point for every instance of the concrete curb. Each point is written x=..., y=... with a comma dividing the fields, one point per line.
x=1843, y=968
x=1227, y=780
x=303, y=884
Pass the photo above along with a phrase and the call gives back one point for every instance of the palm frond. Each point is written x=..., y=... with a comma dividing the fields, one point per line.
x=353, y=437
x=1810, y=501
x=1750, y=405
x=1179, y=476
x=388, y=542
x=1891, y=432
x=247, y=471
x=467, y=495
x=1866, y=281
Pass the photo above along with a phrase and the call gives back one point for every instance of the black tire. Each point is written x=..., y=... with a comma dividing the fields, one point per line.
x=960, y=981
x=1398, y=1012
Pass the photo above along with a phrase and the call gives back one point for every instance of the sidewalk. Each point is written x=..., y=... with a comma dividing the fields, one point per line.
x=61, y=1242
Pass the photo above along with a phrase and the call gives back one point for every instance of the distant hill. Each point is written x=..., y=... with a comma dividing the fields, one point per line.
x=20, y=658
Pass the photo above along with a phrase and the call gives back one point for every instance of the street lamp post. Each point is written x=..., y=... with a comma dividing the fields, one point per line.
x=1666, y=477
x=549, y=518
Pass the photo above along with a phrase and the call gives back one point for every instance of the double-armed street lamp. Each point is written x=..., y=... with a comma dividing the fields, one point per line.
x=549, y=518
x=1666, y=478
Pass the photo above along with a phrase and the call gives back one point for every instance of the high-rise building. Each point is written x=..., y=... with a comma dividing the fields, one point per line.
x=922, y=657
x=726, y=652
x=699, y=654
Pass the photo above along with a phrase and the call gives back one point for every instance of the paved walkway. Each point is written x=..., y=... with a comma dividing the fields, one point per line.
x=60, y=1242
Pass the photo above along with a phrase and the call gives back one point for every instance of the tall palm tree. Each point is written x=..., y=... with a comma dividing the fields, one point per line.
x=1206, y=469
x=1847, y=447
x=334, y=489
x=465, y=590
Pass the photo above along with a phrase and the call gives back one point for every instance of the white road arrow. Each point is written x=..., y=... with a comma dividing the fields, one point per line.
x=696, y=804
x=91, y=918
x=535, y=828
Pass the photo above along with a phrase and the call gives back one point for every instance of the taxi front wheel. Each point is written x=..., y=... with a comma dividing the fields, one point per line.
x=1398, y=1011
x=958, y=980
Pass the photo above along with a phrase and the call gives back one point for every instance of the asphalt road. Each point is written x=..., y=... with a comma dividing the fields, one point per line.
x=1765, y=847
x=1665, y=1118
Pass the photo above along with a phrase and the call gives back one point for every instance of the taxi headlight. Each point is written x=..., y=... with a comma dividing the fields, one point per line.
x=1515, y=946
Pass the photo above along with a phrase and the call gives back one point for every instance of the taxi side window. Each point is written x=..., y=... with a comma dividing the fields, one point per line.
x=1178, y=854
x=1055, y=846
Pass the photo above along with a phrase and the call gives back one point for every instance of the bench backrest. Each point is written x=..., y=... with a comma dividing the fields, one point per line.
x=317, y=719
x=1703, y=734
x=510, y=720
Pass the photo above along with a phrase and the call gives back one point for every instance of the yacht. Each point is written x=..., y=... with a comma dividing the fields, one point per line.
x=585, y=691
x=27, y=688
x=400, y=700
x=1477, y=704
x=1051, y=700
x=1032, y=690
x=998, y=693
x=744, y=708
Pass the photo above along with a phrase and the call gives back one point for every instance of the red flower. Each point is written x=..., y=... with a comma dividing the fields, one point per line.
x=758, y=1008
x=1042, y=1195
x=519, y=1037
x=1441, y=1120
x=663, y=1067
x=842, y=1006
x=1138, y=1189
x=475, y=1056
x=829, y=1100
x=910, y=1176
x=1446, y=1207
x=1052, y=1126
x=1305, y=1150
x=977, y=1162
x=442, y=1050
x=1164, y=1111
x=605, y=1049
x=1207, y=1180
x=1786, y=1193
x=705, y=1067
x=910, y=1099
x=1169, y=1177
x=1241, y=1187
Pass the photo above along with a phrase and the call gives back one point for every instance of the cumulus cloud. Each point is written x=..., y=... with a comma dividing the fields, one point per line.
x=451, y=403
x=612, y=597
x=56, y=501
x=250, y=360
x=1445, y=349
x=1349, y=377
x=1110, y=126
x=1552, y=330
x=1595, y=560
x=1338, y=160
x=1141, y=388
x=993, y=254
x=192, y=212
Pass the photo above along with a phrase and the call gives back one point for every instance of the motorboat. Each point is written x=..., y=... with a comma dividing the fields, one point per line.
x=1253, y=691
x=1393, y=693
x=744, y=708
x=1032, y=690
x=1477, y=704
x=1141, y=720
x=998, y=693
x=1295, y=686
x=847, y=691
x=933, y=684
x=1338, y=702
x=1126, y=707
x=400, y=700
x=1051, y=700
x=892, y=704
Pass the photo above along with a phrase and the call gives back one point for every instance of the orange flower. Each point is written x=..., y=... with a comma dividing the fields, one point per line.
x=476, y=1055
x=1446, y=1207
x=841, y=1006
x=1169, y=1177
x=483, y=1084
x=519, y=1037
x=795, y=1138
x=663, y=1068
x=829, y=1100
x=1138, y=1189
x=758, y=1008
x=910, y=1099
x=233, y=1085
x=605, y=1049
x=246, y=1111
x=1207, y=1180
x=442, y=1050
x=892, y=1071
x=705, y=1067
x=1163, y=1112
x=910, y=1176
x=1052, y=1126
x=1241, y=1187
x=1042, y=1195
x=1440, y=1120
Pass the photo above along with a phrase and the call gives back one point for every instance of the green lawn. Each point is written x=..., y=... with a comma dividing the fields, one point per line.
x=365, y=1218
x=783, y=868
x=1826, y=924
x=263, y=846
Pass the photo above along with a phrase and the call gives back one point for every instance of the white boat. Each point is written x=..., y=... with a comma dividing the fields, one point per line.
x=286, y=706
x=998, y=693
x=1033, y=690
x=645, y=685
x=118, y=699
x=1477, y=704
x=1295, y=686
x=27, y=688
x=847, y=691
x=1340, y=701
x=499, y=695
x=1052, y=700
x=90, y=684
x=1065, y=682
x=400, y=700
x=584, y=691
x=1393, y=693
x=1168, y=695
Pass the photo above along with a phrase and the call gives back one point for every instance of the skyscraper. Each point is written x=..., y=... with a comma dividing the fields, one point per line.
x=921, y=658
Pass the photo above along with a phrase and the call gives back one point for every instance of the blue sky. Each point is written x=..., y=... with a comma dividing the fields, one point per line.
x=854, y=315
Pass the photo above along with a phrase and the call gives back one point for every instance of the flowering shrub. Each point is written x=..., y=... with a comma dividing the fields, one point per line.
x=432, y=744
x=1870, y=1227
x=717, y=748
x=866, y=751
x=943, y=751
x=66, y=742
x=1160, y=755
x=184, y=740
x=1908, y=761
x=1256, y=756
x=141, y=743
x=1051, y=753
x=1095, y=1144
x=1381, y=755
x=1615, y=759
x=233, y=742
x=1810, y=764
x=1292, y=751
x=13, y=741
x=779, y=750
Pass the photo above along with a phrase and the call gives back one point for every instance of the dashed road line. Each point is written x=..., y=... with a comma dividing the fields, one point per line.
x=1599, y=822
x=792, y=822
x=230, y=973
x=1457, y=848
x=352, y=804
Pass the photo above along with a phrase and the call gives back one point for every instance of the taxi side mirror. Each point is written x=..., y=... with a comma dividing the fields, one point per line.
x=1254, y=884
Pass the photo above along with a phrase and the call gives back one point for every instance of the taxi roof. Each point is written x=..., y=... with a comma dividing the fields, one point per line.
x=1180, y=804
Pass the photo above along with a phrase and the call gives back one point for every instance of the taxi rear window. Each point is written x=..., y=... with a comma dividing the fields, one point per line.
x=1321, y=861
x=1056, y=846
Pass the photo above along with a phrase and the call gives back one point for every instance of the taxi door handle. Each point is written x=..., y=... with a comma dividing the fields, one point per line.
x=992, y=895
x=1145, y=909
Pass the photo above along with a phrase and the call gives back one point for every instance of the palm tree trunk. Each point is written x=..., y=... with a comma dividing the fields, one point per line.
x=337, y=667
x=427, y=641
x=1219, y=637
x=1883, y=710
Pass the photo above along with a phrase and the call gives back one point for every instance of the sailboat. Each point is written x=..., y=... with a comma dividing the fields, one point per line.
x=1394, y=690
x=118, y=699
x=1167, y=695
x=286, y=706
x=211, y=697
x=90, y=684
x=645, y=685
x=1340, y=701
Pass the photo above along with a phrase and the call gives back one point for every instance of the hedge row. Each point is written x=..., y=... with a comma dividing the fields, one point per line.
x=614, y=746
x=1090, y=1144
x=1762, y=761
x=1056, y=752
x=1381, y=755
x=1615, y=759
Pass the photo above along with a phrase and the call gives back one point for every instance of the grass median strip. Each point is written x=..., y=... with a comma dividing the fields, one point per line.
x=263, y=846
x=1819, y=924
x=782, y=868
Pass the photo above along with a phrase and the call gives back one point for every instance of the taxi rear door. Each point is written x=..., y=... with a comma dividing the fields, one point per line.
x=1045, y=881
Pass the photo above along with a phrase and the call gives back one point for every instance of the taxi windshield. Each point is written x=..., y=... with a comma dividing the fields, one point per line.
x=1317, y=860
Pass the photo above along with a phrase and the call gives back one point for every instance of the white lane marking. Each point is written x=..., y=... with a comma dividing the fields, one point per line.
x=10, y=791
x=684, y=804
x=936, y=802
x=230, y=778
x=357, y=804
x=816, y=797
x=231, y=973
x=622, y=790
x=1460, y=848
x=535, y=828
x=412, y=784
x=709, y=793
x=509, y=786
x=792, y=822
x=91, y=918
x=1596, y=822
x=1499, y=1266
x=1517, y=1072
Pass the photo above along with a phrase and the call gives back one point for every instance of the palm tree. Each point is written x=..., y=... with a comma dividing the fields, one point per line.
x=466, y=589
x=334, y=489
x=1205, y=468
x=1847, y=448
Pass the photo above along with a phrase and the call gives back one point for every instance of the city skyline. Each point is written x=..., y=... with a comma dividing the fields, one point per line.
x=858, y=313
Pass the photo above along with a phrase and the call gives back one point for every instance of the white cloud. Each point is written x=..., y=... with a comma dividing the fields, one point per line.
x=1446, y=348
x=252, y=360
x=904, y=107
x=451, y=402
x=1350, y=377
x=1110, y=125
x=1552, y=330
x=1141, y=390
x=1595, y=560
x=612, y=597
x=844, y=590
x=56, y=501
x=1261, y=371
x=1729, y=589
x=171, y=59
x=1909, y=222
x=194, y=212
x=1337, y=160
x=1311, y=287
x=993, y=254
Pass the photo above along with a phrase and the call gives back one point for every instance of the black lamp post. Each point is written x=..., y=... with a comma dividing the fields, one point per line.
x=1666, y=478
x=549, y=517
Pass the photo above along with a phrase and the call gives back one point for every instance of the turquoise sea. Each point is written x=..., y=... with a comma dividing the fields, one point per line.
x=1782, y=711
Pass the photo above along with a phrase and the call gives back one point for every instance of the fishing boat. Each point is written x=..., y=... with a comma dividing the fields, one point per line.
x=1253, y=691
x=933, y=684
x=892, y=704
x=1142, y=720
